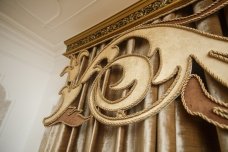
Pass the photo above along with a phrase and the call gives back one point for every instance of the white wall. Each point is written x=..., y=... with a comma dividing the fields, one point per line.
x=28, y=71
x=50, y=99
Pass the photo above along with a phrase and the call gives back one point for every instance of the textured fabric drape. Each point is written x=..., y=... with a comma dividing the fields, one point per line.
x=173, y=129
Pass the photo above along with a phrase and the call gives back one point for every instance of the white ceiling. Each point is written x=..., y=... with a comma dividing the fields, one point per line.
x=54, y=21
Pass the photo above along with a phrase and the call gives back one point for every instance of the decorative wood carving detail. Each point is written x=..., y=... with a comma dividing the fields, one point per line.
x=122, y=22
x=129, y=18
x=94, y=35
x=207, y=11
x=177, y=47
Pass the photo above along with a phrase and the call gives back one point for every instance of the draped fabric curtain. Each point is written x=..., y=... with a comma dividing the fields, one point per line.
x=173, y=129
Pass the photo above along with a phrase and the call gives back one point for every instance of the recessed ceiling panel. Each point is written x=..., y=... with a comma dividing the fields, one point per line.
x=69, y=9
x=44, y=10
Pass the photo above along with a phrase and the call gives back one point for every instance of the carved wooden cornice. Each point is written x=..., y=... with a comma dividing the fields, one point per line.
x=132, y=16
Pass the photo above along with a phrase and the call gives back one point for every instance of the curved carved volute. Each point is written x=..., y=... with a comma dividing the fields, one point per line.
x=177, y=47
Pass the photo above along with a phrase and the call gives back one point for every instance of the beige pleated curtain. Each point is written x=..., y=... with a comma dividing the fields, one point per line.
x=173, y=129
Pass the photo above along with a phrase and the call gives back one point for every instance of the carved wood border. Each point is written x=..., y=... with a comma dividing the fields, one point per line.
x=130, y=17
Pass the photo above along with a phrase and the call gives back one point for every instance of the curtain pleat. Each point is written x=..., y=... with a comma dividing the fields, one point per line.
x=131, y=129
x=173, y=129
x=87, y=133
x=184, y=125
x=212, y=25
x=120, y=136
x=226, y=16
x=74, y=131
x=166, y=133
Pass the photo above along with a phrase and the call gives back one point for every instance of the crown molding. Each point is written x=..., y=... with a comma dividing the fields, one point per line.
x=30, y=36
x=130, y=17
x=17, y=46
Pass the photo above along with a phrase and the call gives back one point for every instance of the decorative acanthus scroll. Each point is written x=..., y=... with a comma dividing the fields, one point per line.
x=177, y=46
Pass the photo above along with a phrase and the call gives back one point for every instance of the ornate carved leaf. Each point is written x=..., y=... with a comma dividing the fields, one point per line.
x=68, y=92
x=109, y=53
x=71, y=117
x=73, y=69
x=197, y=101
x=68, y=96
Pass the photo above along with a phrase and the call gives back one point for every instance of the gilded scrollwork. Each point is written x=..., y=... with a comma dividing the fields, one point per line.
x=70, y=91
x=184, y=45
x=139, y=83
x=73, y=68
x=207, y=11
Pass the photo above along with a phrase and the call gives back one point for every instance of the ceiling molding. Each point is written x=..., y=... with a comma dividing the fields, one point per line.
x=51, y=24
x=58, y=11
x=21, y=48
x=128, y=18
x=71, y=16
x=46, y=18
x=31, y=36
